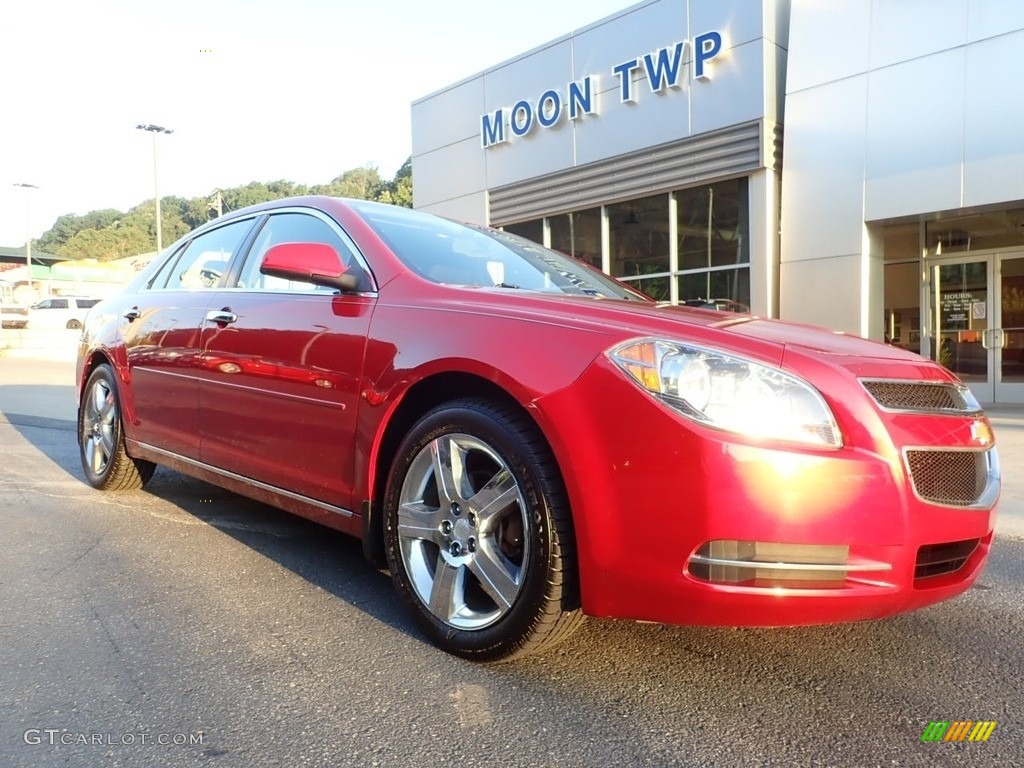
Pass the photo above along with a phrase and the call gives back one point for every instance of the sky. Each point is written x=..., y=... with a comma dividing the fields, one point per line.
x=254, y=90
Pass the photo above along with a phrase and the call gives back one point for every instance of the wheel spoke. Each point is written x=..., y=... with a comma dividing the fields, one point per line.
x=496, y=576
x=500, y=491
x=449, y=469
x=99, y=398
x=448, y=590
x=107, y=443
x=107, y=413
x=419, y=522
x=97, y=459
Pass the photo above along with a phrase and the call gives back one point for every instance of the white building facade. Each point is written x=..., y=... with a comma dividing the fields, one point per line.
x=856, y=164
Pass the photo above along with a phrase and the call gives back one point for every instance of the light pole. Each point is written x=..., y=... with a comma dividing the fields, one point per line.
x=28, y=228
x=155, y=129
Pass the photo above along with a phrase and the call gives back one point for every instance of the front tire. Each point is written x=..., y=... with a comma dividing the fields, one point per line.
x=105, y=462
x=478, y=533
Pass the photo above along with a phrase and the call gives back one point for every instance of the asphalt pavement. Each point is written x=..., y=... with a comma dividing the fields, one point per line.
x=183, y=625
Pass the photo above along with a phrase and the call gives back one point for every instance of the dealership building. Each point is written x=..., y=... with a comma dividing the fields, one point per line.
x=857, y=164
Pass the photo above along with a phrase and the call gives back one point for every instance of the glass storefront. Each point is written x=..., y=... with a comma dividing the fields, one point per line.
x=689, y=246
x=578, y=234
x=954, y=292
x=1011, y=308
x=531, y=230
x=902, y=277
x=638, y=244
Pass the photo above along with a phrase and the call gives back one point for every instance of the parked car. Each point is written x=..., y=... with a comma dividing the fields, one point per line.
x=60, y=312
x=13, y=316
x=525, y=440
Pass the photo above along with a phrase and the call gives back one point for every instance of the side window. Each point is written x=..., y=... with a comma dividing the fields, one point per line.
x=204, y=262
x=58, y=304
x=293, y=228
x=159, y=280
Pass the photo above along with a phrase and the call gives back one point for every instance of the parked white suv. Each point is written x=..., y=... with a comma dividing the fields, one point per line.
x=60, y=312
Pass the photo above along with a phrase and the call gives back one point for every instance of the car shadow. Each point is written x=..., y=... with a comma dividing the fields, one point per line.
x=325, y=558
x=321, y=556
x=22, y=406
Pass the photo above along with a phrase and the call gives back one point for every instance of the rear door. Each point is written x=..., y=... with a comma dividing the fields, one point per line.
x=281, y=369
x=161, y=331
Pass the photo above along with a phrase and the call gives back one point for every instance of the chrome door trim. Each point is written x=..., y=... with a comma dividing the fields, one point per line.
x=248, y=481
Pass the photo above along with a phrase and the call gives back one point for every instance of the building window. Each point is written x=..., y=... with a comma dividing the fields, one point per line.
x=639, y=243
x=702, y=258
x=578, y=234
x=712, y=242
x=712, y=225
x=531, y=230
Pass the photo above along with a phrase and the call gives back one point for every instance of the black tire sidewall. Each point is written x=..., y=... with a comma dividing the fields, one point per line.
x=512, y=629
x=105, y=373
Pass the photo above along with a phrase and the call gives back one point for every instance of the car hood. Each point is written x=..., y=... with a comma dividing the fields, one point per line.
x=743, y=332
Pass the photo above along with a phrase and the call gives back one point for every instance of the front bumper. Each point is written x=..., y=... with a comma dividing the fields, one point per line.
x=669, y=514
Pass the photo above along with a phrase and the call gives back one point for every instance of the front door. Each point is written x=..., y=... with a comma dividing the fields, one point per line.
x=280, y=369
x=976, y=318
x=1008, y=336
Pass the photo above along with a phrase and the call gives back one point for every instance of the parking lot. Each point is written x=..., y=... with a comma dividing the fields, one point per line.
x=184, y=625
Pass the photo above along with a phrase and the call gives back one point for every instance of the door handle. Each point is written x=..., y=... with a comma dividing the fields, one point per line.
x=221, y=316
x=132, y=314
x=986, y=340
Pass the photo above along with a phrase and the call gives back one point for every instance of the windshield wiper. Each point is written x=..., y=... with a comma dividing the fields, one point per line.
x=506, y=285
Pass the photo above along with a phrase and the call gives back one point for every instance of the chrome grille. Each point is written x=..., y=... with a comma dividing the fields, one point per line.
x=954, y=478
x=937, y=559
x=919, y=396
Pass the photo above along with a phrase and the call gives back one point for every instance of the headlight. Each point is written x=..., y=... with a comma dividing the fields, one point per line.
x=728, y=392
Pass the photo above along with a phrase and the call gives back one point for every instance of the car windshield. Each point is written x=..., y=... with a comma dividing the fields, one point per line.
x=445, y=251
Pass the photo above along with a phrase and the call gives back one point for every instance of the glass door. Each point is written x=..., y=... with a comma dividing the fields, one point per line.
x=976, y=323
x=1007, y=337
x=960, y=312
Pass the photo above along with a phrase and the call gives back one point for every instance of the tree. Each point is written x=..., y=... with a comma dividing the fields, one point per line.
x=69, y=225
x=259, y=192
x=107, y=244
x=363, y=183
x=398, y=191
x=110, y=234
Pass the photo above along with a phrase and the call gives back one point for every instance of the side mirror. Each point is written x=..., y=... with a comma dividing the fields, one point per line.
x=316, y=263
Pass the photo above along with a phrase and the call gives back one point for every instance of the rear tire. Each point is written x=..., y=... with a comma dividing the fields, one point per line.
x=105, y=462
x=478, y=533
x=74, y=325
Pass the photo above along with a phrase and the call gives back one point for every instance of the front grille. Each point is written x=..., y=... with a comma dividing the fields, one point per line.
x=919, y=396
x=954, y=478
x=937, y=559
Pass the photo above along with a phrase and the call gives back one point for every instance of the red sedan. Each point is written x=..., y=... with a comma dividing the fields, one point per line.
x=528, y=441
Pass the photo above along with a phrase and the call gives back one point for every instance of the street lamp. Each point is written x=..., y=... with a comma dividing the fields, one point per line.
x=28, y=228
x=155, y=129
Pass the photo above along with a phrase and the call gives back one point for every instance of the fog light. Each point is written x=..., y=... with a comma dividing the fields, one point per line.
x=769, y=565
